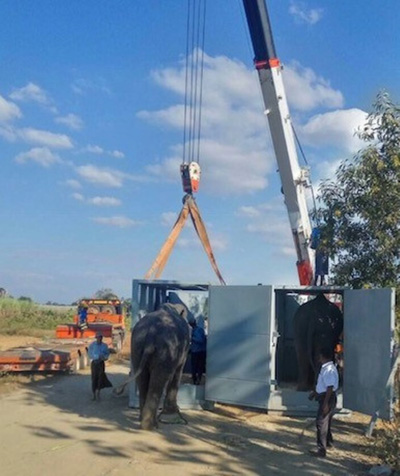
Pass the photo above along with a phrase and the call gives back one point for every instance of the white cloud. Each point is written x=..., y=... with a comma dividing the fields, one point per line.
x=306, y=90
x=334, y=129
x=117, y=154
x=168, y=218
x=304, y=15
x=8, y=133
x=79, y=197
x=94, y=149
x=70, y=120
x=117, y=221
x=8, y=110
x=45, y=138
x=104, y=201
x=236, y=151
x=83, y=86
x=218, y=242
x=228, y=170
x=30, y=92
x=326, y=170
x=191, y=240
x=33, y=93
x=98, y=201
x=41, y=155
x=269, y=221
x=248, y=212
x=72, y=183
x=101, y=176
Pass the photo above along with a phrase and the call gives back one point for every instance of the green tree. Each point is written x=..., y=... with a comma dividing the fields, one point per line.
x=25, y=298
x=105, y=293
x=360, y=212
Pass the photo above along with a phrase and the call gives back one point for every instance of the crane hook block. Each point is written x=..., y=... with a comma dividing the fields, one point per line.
x=190, y=174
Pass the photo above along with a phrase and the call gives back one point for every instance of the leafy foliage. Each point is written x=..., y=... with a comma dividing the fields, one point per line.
x=26, y=318
x=361, y=206
x=105, y=293
x=386, y=445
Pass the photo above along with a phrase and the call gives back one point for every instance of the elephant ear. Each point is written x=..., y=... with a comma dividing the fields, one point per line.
x=180, y=309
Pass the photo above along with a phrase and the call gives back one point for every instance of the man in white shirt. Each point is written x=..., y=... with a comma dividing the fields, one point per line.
x=325, y=394
x=98, y=353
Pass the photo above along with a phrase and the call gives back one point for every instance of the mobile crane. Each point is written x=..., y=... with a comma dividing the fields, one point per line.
x=295, y=180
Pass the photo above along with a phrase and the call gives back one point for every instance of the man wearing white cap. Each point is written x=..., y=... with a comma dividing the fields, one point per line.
x=98, y=353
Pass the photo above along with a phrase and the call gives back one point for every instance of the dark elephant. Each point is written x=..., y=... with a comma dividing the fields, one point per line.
x=159, y=347
x=317, y=324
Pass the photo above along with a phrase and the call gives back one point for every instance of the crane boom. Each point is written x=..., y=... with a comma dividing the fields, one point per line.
x=294, y=179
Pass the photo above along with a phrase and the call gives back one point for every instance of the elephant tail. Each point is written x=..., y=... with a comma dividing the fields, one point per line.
x=143, y=361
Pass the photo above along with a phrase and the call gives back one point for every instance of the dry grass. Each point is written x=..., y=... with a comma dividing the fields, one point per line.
x=27, y=318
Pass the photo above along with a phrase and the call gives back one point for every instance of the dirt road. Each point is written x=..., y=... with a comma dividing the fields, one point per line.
x=52, y=427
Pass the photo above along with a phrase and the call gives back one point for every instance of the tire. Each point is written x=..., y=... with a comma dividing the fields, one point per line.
x=117, y=343
x=108, y=309
x=93, y=309
x=83, y=360
x=76, y=366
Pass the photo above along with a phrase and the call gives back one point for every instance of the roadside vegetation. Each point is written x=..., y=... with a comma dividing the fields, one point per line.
x=24, y=317
x=359, y=214
x=359, y=221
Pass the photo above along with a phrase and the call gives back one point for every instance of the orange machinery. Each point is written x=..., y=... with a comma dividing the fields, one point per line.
x=68, y=351
x=55, y=355
x=104, y=315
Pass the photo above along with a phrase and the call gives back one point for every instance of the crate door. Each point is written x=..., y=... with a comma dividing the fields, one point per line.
x=238, y=347
x=368, y=347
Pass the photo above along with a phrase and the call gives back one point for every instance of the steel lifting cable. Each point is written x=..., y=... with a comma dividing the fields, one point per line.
x=201, y=80
x=186, y=84
x=194, y=72
x=306, y=162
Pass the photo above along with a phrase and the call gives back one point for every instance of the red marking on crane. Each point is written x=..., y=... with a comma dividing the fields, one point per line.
x=265, y=64
x=274, y=62
x=305, y=272
x=261, y=64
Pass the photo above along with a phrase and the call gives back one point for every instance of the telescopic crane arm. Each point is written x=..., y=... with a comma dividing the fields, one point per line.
x=294, y=179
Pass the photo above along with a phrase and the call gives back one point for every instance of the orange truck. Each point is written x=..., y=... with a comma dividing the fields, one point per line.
x=104, y=315
x=68, y=351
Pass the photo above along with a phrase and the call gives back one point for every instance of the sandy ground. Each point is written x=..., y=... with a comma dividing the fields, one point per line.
x=50, y=426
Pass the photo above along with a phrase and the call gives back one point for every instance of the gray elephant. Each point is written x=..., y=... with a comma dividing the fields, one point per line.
x=159, y=348
x=317, y=324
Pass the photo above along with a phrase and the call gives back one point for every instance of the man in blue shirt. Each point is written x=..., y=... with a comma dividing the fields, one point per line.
x=83, y=316
x=98, y=353
x=198, y=347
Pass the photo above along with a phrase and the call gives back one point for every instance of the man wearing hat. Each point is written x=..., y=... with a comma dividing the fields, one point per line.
x=98, y=353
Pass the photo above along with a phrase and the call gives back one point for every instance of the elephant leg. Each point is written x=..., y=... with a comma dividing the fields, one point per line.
x=150, y=408
x=171, y=394
x=303, y=382
x=170, y=413
x=142, y=381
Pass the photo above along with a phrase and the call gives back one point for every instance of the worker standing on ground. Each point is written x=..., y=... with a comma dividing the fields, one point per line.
x=325, y=394
x=98, y=353
x=198, y=347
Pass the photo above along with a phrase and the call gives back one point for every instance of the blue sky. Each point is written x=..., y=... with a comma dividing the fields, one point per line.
x=91, y=98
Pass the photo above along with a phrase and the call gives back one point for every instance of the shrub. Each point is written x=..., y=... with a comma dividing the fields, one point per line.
x=24, y=317
x=387, y=445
